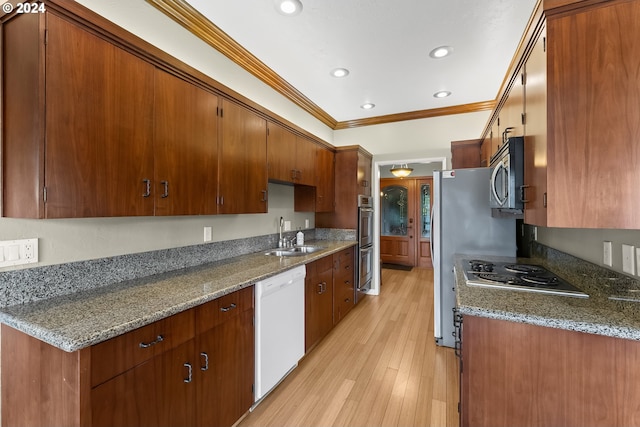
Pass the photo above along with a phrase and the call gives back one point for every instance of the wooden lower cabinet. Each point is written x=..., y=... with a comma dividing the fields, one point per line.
x=195, y=368
x=156, y=393
x=515, y=374
x=318, y=301
x=343, y=283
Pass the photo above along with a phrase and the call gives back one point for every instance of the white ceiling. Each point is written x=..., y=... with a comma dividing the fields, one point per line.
x=384, y=44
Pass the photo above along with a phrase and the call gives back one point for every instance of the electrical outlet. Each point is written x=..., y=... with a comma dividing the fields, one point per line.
x=287, y=226
x=306, y=223
x=607, y=258
x=207, y=234
x=535, y=234
x=628, y=259
x=638, y=259
x=17, y=252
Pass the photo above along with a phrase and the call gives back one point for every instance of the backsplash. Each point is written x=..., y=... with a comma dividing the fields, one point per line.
x=34, y=284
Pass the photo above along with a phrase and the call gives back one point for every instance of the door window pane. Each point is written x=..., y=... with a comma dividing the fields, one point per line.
x=425, y=208
x=394, y=210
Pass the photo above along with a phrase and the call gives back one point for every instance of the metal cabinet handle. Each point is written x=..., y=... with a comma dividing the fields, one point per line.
x=319, y=288
x=190, y=373
x=158, y=339
x=147, y=187
x=522, y=198
x=165, y=194
x=206, y=361
x=227, y=308
x=264, y=196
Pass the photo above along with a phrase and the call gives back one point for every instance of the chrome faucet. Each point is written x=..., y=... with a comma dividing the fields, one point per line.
x=281, y=242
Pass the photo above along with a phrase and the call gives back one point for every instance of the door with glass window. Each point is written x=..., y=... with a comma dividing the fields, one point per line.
x=424, y=188
x=397, y=217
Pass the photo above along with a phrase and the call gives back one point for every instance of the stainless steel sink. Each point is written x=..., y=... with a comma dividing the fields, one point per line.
x=294, y=251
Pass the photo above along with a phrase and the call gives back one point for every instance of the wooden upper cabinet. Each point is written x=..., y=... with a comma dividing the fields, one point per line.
x=466, y=154
x=325, y=179
x=96, y=124
x=352, y=178
x=593, y=70
x=305, y=161
x=185, y=147
x=512, y=112
x=535, y=142
x=281, y=153
x=242, y=172
x=291, y=157
x=364, y=174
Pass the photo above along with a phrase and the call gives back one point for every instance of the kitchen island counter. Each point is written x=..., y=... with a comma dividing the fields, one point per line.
x=597, y=314
x=78, y=320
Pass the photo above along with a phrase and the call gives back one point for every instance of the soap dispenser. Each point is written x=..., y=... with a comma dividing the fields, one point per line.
x=299, y=238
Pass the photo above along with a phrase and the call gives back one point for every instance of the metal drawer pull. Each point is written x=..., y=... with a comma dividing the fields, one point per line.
x=225, y=309
x=190, y=375
x=166, y=189
x=147, y=185
x=206, y=361
x=158, y=339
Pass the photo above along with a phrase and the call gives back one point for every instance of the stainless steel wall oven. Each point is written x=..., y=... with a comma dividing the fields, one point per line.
x=365, y=245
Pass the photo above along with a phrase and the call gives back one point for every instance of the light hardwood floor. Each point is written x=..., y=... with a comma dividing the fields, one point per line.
x=378, y=367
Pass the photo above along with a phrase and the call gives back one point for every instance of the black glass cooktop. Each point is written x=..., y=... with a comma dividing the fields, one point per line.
x=517, y=276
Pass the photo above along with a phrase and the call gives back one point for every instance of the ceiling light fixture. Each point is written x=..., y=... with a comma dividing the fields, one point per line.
x=288, y=7
x=441, y=52
x=442, y=94
x=402, y=171
x=340, y=72
x=367, y=106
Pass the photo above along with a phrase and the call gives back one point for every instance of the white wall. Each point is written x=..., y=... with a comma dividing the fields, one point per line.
x=67, y=240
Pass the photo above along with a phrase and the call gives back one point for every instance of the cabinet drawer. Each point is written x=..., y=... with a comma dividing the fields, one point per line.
x=343, y=261
x=121, y=353
x=218, y=311
x=323, y=264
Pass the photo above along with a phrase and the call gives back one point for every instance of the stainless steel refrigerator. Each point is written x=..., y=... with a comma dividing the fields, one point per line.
x=462, y=224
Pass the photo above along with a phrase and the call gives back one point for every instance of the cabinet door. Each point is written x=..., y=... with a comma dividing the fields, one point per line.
x=305, y=161
x=325, y=179
x=226, y=371
x=364, y=174
x=594, y=117
x=535, y=142
x=242, y=174
x=281, y=152
x=160, y=392
x=512, y=112
x=318, y=301
x=99, y=130
x=185, y=147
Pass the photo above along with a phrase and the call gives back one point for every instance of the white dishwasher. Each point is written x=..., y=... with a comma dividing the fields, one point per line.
x=279, y=328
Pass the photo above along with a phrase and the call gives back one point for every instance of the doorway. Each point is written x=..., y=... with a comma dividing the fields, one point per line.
x=405, y=221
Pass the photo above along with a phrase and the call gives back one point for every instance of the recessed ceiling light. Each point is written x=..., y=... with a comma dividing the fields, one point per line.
x=340, y=72
x=442, y=94
x=288, y=7
x=367, y=106
x=441, y=52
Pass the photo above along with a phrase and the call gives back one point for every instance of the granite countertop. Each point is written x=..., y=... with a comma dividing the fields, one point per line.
x=82, y=319
x=598, y=314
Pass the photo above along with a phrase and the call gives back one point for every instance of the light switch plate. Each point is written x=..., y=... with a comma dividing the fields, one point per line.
x=638, y=259
x=628, y=259
x=207, y=234
x=287, y=226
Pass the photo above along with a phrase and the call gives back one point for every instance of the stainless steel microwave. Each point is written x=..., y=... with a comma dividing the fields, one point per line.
x=507, y=176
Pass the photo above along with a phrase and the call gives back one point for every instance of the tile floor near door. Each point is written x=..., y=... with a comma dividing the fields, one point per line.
x=378, y=367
